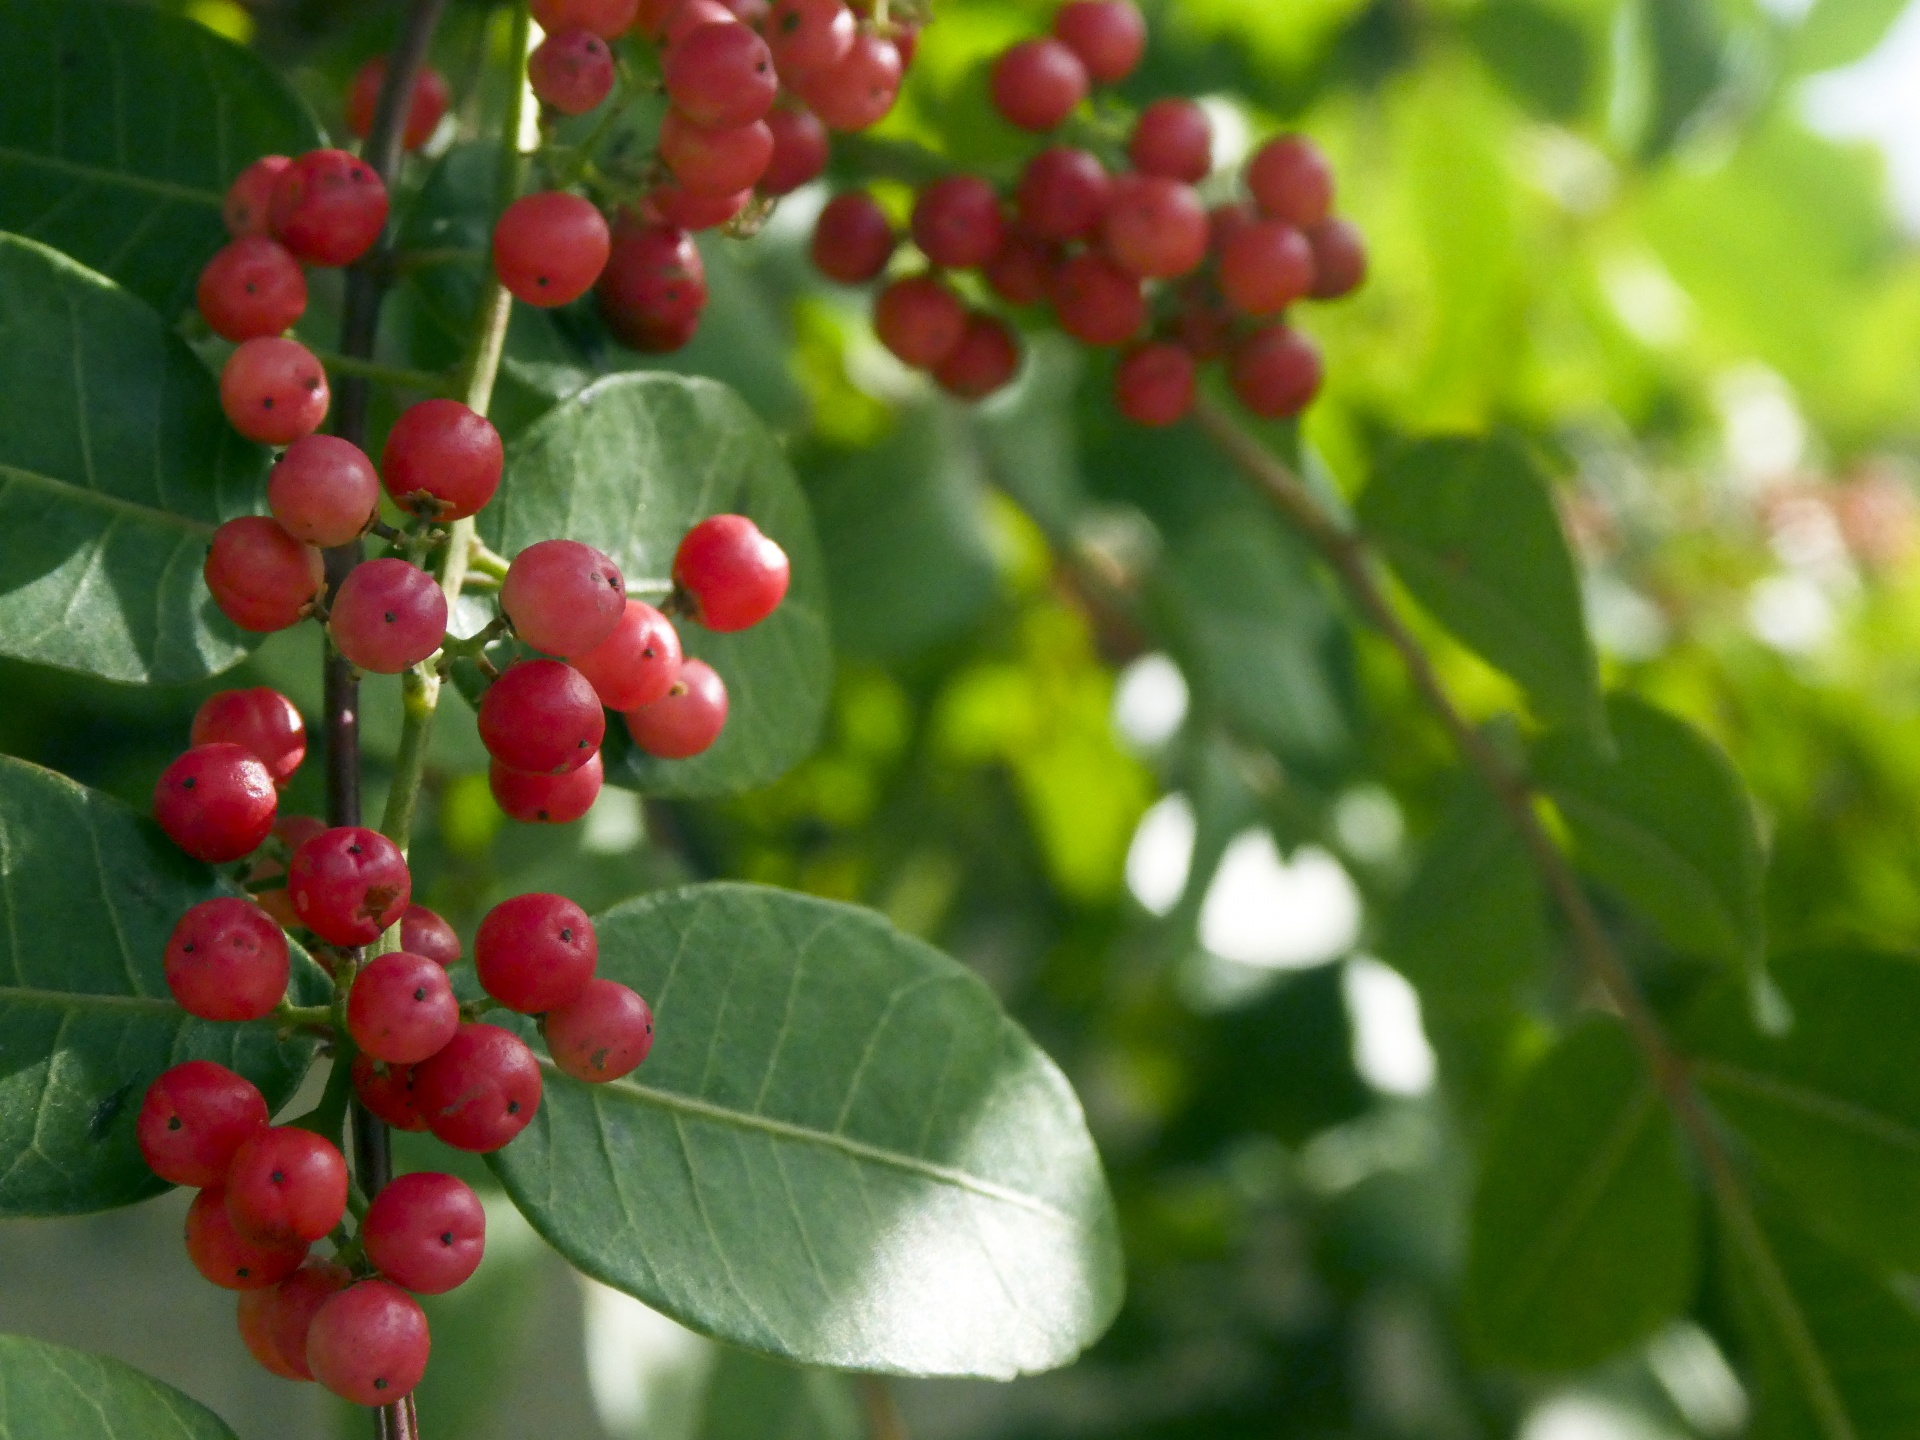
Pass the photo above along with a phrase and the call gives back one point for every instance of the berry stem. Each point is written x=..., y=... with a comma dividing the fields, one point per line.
x=398, y=376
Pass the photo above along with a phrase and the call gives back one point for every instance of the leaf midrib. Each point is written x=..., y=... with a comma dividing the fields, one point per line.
x=30, y=995
x=1847, y=1114
x=125, y=179
x=104, y=501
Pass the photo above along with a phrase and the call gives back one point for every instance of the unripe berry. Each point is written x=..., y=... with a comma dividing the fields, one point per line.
x=348, y=884
x=1109, y=36
x=1155, y=228
x=442, y=460
x=425, y=107
x=216, y=802
x=920, y=320
x=542, y=717
x=1265, y=267
x=247, y=208
x=956, y=222
x=602, y=1035
x=605, y=18
x=401, y=1008
x=260, y=576
x=1339, y=258
x=1291, y=180
x=637, y=662
x=549, y=248
x=227, y=960
x=251, y=287
x=387, y=615
x=387, y=1091
x=1154, y=384
x=193, y=1119
x=423, y=932
x=687, y=719
x=1038, y=83
x=852, y=239
x=426, y=1232
x=1275, y=372
x=715, y=162
x=733, y=575
x=481, y=1090
x=721, y=76
x=984, y=361
x=275, y=1322
x=800, y=149
x=673, y=204
x=261, y=721
x=1173, y=138
x=286, y=1186
x=860, y=90
x=535, y=952
x=274, y=390
x=329, y=207
x=1096, y=301
x=563, y=597
x=807, y=36
x=323, y=490
x=546, y=799
x=1022, y=273
x=572, y=71
x=226, y=1257
x=653, y=289
x=369, y=1343
x=1063, y=194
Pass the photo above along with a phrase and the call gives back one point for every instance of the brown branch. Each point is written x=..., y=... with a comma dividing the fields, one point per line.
x=884, y=1420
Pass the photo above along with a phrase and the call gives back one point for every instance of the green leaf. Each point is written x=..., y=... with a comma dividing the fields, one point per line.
x=1830, y=1109
x=1838, y=32
x=121, y=128
x=88, y=895
x=115, y=465
x=1667, y=822
x=49, y=1390
x=1538, y=52
x=629, y=464
x=841, y=1151
x=1469, y=527
x=750, y=1397
x=1583, y=1236
x=1685, y=67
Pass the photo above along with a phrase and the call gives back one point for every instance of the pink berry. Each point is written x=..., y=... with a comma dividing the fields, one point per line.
x=984, y=361
x=1173, y=138
x=1109, y=36
x=602, y=1035
x=807, y=36
x=329, y=207
x=388, y=615
x=369, y=1343
x=286, y=1186
x=549, y=248
x=1022, y=273
x=920, y=320
x=387, y=1091
x=733, y=575
x=1155, y=228
x=260, y=576
x=426, y=1232
x=1275, y=372
x=193, y=1119
x=800, y=148
x=348, y=884
x=1063, y=193
x=227, y=960
x=715, y=162
x=653, y=289
x=261, y=721
x=425, y=107
x=542, y=717
x=721, y=76
x=216, y=802
x=422, y=932
x=442, y=460
x=1339, y=258
x=634, y=665
x=1265, y=267
x=957, y=223
x=251, y=288
x=563, y=597
x=687, y=719
x=546, y=799
x=227, y=1258
x=535, y=952
x=481, y=1090
x=274, y=390
x=608, y=19
x=248, y=206
x=852, y=239
x=1291, y=181
x=323, y=490
x=1154, y=384
x=1038, y=83
x=401, y=1008
x=571, y=70
x=687, y=16
x=275, y=1322
x=860, y=89
x=1096, y=301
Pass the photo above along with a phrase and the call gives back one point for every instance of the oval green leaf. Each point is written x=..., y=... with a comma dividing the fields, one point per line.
x=750, y=1397
x=841, y=1151
x=1583, y=1235
x=88, y=895
x=49, y=1390
x=116, y=459
x=629, y=465
x=121, y=127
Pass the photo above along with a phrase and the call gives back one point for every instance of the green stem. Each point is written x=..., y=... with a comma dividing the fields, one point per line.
x=297, y=1015
x=484, y=562
x=398, y=376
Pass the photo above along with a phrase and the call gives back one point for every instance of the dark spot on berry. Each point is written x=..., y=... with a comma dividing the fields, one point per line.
x=252, y=289
x=353, y=849
x=312, y=382
x=173, y=1122
x=187, y=949
x=279, y=1177
x=513, y=1107
x=267, y=404
x=242, y=1272
x=420, y=993
x=566, y=934
x=188, y=783
x=540, y=280
x=391, y=617
x=381, y=1383
x=446, y=1237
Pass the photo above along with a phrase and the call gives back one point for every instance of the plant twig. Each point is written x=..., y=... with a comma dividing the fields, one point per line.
x=884, y=1420
x=399, y=376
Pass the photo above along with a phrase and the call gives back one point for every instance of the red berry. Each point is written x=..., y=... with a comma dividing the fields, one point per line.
x=906, y=38
x=387, y=1091
x=860, y=90
x=715, y=162
x=274, y=390
x=1063, y=193
x=852, y=239
x=481, y=1090
x=260, y=576
x=252, y=287
x=637, y=662
x=748, y=12
x=1038, y=83
x=261, y=721
x=1022, y=273
x=1265, y=267
x=920, y=320
x=1291, y=181
x=329, y=207
x=423, y=932
x=605, y=18
x=601, y=1036
x=227, y=960
x=562, y=596
x=442, y=460
x=799, y=151
x=571, y=70
x=685, y=209
x=1227, y=220
x=249, y=200
x=986, y=358
x=535, y=952
x=1339, y=258
x=653, y=289
x=721, y=75
x=1154, y=384
x=1109, y=36
x=426, y=1232
x=348, y=884
x=401, y=1008
x=1275, y=372
x=425, y=108
x=689, y=15
x=956, y=222
x=1173, y=138
x=387, y=615
x=1096, y=301
x=323, y=490
x=369, y=1343
x=733, y=574
x=687, y=719
x=807, y=36
x=549, y=248
x=292, y=831
x=542, y=716
x=546, y=799
x=216, y=802
x=229, y=1259
x=193, y=1119
x=274, y=1322
x=1155, y=228
x=286, y=1186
